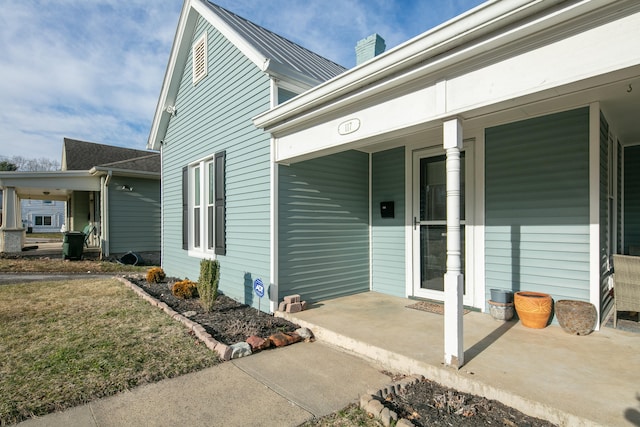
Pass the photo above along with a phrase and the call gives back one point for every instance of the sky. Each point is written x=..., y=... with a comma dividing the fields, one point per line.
x=93, y=69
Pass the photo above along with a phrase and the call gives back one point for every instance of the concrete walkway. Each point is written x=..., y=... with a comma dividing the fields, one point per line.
x=279, y=387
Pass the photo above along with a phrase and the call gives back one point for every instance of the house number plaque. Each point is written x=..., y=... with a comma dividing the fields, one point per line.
x=348, y=126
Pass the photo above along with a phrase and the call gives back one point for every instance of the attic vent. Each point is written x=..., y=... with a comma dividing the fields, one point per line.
x=200, y=58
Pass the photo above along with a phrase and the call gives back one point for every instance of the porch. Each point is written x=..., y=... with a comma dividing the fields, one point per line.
x=547, y=373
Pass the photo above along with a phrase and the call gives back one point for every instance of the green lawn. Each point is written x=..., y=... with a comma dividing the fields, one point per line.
x=64, y=343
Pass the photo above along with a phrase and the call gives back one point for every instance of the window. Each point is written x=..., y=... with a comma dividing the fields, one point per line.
x=41, y=220
x=199, y=54
x=203, y=206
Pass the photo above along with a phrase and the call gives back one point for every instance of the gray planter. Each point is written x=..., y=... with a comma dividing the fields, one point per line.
x=501, y=296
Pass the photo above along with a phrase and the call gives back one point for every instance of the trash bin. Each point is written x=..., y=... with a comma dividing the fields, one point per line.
x=72, y=245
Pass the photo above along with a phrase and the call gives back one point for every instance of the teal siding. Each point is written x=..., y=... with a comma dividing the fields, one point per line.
x=631, y=197
x=215, y=115
x=388, y=234
x=537, y=205
x=619, y=167
x=324, y=227
x=606, y=302
x=134, y=216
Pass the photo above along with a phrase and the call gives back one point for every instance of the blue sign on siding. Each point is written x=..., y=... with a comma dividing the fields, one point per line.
x=258, y=287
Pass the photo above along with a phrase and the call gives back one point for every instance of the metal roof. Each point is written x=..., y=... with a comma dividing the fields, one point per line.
x=277, y=48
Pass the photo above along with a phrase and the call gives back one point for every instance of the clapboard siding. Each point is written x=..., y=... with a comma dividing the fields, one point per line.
x=388, y=234
x=606, y=301
x=324, y=227
x=537, y=205
x=134, y=216
x=631, y=197
x=215, y=115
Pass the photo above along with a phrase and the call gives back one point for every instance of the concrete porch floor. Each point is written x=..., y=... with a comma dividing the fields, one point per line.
x=546, y=373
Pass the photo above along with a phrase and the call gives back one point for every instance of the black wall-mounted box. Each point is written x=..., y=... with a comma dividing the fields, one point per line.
x=386, y=209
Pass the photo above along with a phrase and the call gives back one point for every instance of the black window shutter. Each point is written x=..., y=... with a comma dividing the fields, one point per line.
x=220, y=202
x=185, y=208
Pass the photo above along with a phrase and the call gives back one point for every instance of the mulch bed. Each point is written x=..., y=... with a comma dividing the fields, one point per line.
x=427, y=403
x=229, y=322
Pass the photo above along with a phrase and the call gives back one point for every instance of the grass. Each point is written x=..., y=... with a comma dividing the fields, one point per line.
x=58, y=265
x=64, y=343
x=350, y=416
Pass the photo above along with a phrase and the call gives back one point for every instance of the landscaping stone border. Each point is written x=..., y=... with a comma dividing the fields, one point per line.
x=224, y=351
x=372, y=402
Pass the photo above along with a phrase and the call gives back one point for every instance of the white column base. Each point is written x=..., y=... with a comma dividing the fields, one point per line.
x=11, y=240
x=453, y=323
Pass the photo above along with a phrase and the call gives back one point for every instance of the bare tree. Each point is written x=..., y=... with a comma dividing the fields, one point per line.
x=30, y=165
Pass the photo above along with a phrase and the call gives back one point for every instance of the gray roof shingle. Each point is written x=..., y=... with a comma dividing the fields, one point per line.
x=83, y=155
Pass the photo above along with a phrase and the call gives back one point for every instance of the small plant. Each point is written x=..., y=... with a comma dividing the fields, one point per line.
x=185, y=289
x=208, y=283
x=155, y=275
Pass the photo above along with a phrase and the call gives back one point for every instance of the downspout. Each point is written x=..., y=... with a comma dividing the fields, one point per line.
x=104, y=212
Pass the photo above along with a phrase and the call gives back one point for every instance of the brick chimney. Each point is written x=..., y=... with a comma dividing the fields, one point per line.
x=368, y=48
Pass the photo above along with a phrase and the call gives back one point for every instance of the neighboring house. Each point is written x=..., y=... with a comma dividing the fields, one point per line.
x=529, y=108
x=42, y=216
x=525, y=111
x=115, y=190
x=218, y=179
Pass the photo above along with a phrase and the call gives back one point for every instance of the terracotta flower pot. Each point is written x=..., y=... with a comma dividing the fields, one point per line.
x=576, y=317
x=533, y=308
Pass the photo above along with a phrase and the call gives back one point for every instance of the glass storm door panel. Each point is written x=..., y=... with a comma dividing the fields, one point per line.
x=430, y=224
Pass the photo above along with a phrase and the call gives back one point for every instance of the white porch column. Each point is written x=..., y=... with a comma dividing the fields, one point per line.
x=453, y=310
x=11, y=232
x=11, y=218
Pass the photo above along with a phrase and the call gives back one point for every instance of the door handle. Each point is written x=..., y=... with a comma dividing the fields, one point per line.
x=415, y=222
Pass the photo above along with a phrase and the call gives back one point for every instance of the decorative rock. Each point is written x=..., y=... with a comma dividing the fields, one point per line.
x=374, y=407
x=403, y=422
x=304, y=305
x=365, y=399
x=385, y=417
x=281, y=339
x=257, y=343
x=240, y=349
x=304, y=333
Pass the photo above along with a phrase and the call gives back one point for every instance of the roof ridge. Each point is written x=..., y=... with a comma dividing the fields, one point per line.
x=304, y=60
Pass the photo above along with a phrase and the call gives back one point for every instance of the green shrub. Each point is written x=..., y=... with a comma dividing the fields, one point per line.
x=208, y=283
x=185, y=289
x=155, y=275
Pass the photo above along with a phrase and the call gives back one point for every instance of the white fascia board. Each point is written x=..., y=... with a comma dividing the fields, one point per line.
x=230, y=34
x=273, y=68
x=177, y=57
x=100, y=171
x=437, y=49
x=67, y=180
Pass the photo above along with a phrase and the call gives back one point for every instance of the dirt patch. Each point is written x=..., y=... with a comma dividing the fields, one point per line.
x=427, y=403
x=229, y=322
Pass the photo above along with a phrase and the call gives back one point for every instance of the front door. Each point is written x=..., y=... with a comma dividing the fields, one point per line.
x=430, y=223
